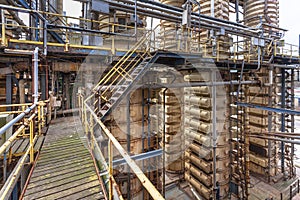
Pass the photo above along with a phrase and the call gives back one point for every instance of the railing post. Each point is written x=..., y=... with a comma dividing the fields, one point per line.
x=79, y=106
x=85, y=121
x=110, y=169
x=235, y=48
x=3, y=38
x=92, y=131
x=31, y=127
x=218, y=51
x=82, y=109
x=275, y=48
x=42, y=114
x=113, y=50
x=39, y=119
x=67, y=38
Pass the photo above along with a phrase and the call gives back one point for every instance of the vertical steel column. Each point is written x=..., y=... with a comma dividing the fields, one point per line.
x=164, y=144
x=110, y=169
x=292, y=119
x=282, y=116
x=214, y=132
x=270, y=119
x=47, y=80
x=143, y=135
x=149, y=131
x=128, y=143
x=237, y=10
x=231, y=103
x=212, y=8
x=43, y=84
x=9, y=90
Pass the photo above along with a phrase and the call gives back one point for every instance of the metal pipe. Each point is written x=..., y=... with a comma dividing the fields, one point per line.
x=164, y=143
x=35, y=74
x=282, y=117
x=135, y=19
x=214, y=133
x=277, y=139
x=212, y=8
x=177, y=12
x=128, y=144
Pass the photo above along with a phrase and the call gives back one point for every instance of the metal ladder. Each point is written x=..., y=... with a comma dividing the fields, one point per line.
x=122, y=77
x=236, y=131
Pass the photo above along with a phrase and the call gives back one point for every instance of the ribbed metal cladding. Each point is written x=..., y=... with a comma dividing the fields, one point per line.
x=124, y=23
x=221, y=11
x=267, y=9
x=170, y=33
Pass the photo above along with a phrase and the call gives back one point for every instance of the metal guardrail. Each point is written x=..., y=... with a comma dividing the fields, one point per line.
x=90, y=120
x=28, y=123
x=184, y=40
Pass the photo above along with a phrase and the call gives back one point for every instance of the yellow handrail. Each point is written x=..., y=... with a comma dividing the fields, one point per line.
x=113, y=142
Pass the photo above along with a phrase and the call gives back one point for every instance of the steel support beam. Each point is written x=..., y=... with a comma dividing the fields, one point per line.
x=276, y=110
x=9, y=90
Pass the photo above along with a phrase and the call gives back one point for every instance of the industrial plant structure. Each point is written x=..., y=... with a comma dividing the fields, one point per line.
x=172, y=99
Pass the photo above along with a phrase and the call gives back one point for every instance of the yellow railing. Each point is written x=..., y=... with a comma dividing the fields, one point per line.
x=122, y=69
x=90, y=120
x=30, y=126
x=72, y=38
x=180, y=39
x=284, y=49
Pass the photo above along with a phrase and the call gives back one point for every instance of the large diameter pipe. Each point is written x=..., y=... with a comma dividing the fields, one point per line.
x=35, y=74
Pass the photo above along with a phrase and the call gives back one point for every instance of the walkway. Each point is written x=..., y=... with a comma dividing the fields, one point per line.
x=65, y=169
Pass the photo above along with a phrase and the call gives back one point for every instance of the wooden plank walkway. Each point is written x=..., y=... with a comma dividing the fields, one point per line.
x=65, y=169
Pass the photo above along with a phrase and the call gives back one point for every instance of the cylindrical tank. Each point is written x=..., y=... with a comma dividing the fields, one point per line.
x=265, y=10
x=221, y=11
x=124, y=23
x=169, y=31
x=170, y=119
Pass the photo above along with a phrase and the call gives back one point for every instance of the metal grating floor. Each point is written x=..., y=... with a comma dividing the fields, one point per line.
x=65, y=169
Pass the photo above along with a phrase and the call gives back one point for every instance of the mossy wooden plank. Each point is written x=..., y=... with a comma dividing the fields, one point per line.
x=58, y=173
x=62, y=182
x=53, y=179
x=62, y=157
x=60, y=152
x=66, y=189
x=61, y=164
x=63, y=167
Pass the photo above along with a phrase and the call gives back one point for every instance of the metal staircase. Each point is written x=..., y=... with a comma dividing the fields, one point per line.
x=123, y=76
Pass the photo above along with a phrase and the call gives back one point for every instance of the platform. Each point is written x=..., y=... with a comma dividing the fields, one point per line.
x=64, y=169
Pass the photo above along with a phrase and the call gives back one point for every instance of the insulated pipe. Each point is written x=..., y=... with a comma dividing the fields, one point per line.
x=212, y=8
x=35, y=75
x=208, y=20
